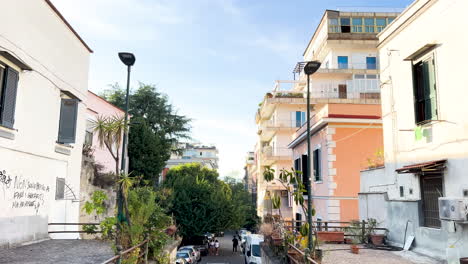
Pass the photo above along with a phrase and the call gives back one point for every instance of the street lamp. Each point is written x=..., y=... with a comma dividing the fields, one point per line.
x=127, y=59
x=310, y=68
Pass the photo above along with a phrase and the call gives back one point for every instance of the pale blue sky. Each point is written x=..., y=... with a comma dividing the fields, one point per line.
x=214, y=58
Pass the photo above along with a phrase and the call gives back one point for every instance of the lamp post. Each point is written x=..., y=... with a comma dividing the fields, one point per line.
x=128, y=59
x=309, y=69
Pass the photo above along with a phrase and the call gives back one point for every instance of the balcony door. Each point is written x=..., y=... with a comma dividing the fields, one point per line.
x=342, y=62
x=342, y=91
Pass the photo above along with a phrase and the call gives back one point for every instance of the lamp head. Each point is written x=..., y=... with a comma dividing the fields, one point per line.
x=311, y=67
x=127, y=58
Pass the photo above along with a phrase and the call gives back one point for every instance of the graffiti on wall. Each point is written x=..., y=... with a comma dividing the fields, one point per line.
x=24, y=193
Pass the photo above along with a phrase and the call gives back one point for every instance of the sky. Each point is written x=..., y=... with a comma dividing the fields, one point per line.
x=215, y=59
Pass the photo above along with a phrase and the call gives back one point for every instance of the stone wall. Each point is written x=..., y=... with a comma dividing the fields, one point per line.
x=91, y=181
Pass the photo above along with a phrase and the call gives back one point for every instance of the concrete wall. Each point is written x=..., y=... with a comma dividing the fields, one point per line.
x=31, y=158
x=424, y=22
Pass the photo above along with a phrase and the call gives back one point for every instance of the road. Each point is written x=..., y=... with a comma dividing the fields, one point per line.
x=226, y=256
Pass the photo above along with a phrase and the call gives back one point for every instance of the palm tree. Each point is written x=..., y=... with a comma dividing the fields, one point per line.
x=110, y=134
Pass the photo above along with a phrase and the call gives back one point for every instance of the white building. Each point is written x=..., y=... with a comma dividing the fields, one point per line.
x=44, y=79
x=425, y=123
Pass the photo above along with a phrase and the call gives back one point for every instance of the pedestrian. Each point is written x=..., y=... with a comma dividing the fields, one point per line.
x=235, y=243
x=217, y=247
x=212, y=247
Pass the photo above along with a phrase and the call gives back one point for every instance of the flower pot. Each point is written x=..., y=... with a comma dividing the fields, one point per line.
x=354, y=249
x=377, y=239
x=334, y=236
x=348, y=241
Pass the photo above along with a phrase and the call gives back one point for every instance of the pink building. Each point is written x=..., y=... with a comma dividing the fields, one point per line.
x=97, y=106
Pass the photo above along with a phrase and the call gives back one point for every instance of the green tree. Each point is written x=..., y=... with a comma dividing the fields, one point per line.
x=155, y=128
x=200, y=202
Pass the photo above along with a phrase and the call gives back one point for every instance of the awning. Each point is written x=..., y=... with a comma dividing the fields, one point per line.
x=435, y=166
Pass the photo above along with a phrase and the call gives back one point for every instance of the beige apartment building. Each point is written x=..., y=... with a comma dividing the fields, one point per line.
x=346, y=44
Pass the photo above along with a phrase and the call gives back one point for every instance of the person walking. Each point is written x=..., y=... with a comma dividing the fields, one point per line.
x=235, y=243
x=217, y=247
x=212, y=247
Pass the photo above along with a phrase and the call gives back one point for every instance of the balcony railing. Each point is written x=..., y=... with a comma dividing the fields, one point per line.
x=350, y=89
x=282, y=123
x=270, y=151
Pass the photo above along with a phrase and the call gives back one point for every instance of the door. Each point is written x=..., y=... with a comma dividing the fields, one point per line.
x=342, y=91
x=342, y=62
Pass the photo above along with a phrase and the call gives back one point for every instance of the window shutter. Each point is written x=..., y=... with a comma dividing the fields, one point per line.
x=305, y=168
x=67, y=126
x=9, y=98
x=431, y=104
x=317, y=169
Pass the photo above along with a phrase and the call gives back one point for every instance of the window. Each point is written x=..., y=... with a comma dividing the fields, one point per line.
x=67, y=123
x=345, y=23
x=342, y=62
x=357, y=25
x=201, y=154
x=380, y=23
x=300, y=118
x=371, y=63
x=359, y=76
x=424, y=89
x=334, y=25
x=317, y=165
x=390, y=20
x=431, y=190
x=8, y=88
x=60, y=189
x=369, y=25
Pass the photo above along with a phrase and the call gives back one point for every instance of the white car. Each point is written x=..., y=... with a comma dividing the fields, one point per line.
x=193, y=250
x=252, y=249
x=185, y=254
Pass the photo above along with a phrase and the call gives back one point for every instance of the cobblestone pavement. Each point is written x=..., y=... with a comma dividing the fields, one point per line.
x=340, y=254
x=58, y=251
x=226, y=256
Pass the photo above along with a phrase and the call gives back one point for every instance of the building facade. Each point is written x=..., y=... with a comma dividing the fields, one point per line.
x=206, y=155
x=44, y=80
x=425, y=130
x=99, y=167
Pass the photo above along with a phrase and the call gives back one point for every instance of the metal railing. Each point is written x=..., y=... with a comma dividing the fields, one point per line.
x=350, y=66
x=142, y=257
x=72, y=231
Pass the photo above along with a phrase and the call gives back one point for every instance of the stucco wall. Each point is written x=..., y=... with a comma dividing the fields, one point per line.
x=38, y=37
x=425, y=22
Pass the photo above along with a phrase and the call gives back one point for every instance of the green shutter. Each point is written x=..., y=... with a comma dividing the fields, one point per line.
x=9, y=98
x=431, y=95
x=67, y=125
x=317, y=169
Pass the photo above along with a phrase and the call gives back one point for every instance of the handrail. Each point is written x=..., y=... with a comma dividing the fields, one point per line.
x=72, y=231
x=302, y=254
x=122, y=253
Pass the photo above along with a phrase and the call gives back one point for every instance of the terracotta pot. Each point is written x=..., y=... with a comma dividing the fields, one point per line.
x=377, y=239
x=354, y=249
x=334, y=236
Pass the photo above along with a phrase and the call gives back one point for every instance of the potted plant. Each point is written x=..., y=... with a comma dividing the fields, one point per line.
x=355, y=231
x=376, y=239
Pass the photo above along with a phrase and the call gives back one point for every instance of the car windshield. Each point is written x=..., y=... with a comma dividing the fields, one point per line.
x=182, y=254
x=256, y=250
x=186, y=249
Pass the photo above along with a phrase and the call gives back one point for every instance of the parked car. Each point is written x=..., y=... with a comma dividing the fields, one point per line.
x=220, y=234
x=200, y=243
x=181, y=261
x=193, y=251
x=209, y=235
x=252, y=248
x=186, y=256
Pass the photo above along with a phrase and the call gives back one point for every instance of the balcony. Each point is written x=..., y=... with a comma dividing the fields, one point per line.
x=339, y=68
x=270, y=154
x=268, y=128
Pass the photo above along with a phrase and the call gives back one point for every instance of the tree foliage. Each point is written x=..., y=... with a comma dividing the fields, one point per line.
x=155, y=128
x=201, y=202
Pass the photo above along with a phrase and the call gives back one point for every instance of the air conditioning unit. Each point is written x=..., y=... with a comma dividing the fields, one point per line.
x=453, y=209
